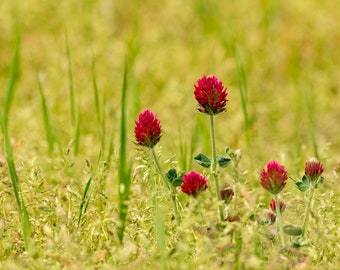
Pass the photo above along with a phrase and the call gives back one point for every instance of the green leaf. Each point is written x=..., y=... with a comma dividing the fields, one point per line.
x=292, y=230
x=203, y=160
x=171, y=175
x=304, y=184
x=177, y=182
x=223, y=161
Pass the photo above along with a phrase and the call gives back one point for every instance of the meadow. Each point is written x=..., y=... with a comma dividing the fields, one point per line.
x=77, y=192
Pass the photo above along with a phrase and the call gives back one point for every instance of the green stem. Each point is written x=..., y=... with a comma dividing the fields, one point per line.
x=307, y=210
x=213, y=167
x=159, y=224
x=170, y=187
x=279, y=221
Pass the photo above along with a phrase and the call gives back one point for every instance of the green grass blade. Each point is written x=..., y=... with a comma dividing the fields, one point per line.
x=242, y=81
x=135, y=94
x=15, y=183
x=111, y=146
x=95, y=92
x=100, y=114
x=309, y=106
x=182, y=151
x=194, y=139
x=83, y=201
x=26, y=225
x=70, y=80
x=77, y=130
x=12, y=80
x=159, y=226
x=124, y=172
x=47, y=119
x=10, y=161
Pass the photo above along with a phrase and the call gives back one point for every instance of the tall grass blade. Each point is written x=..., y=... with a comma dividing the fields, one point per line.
x=309, y=105
x=242, y=81
x=111, y=147
x=85, y=202
x=77, y=130
x=12, y=80
x=159, y=225
x=182, y=151
x=26, y=225
x=70, y=80
x=47, y=119
x=194, y=139
x=124, y=172
x=135, y=94
x=100, y=114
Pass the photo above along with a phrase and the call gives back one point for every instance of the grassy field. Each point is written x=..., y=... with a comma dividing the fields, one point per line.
x=75, y=190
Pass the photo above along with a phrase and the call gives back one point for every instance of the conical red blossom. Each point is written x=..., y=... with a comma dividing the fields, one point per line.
x=274, y=178
x=273, y=206
x=193, y=183
x=313, y=169
x=148, y=129
x=211, y=95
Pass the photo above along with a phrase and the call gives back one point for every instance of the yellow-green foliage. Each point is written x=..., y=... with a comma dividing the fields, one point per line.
x=289, y=53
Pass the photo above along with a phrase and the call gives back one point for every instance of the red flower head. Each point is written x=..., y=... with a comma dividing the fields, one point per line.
x=147, y=129
x=313, y=169
x=273, y=206
x=211, y=95
x=274, y=178
x=227, y=194
x=193, y=183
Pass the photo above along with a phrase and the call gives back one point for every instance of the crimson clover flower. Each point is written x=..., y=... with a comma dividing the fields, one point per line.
x=274, y=178
x=211, y=95
x=282, y=206
x=193, y=183
x=313, y=169
x=148, y=129
x=227, y=194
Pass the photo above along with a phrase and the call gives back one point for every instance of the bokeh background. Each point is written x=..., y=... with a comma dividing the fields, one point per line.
x=288, y=52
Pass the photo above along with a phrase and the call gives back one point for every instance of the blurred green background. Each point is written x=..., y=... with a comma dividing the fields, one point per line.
x=288, y=51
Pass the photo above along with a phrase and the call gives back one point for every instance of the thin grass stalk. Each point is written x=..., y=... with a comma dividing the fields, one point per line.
x=84, y=201
x=213, y=167
x=311, y=123
x=77, y=130
x=47, y=119
x=194, y=138
x=70, y=81
x=135, y=93
x=307, y=210
x=242, y=81
x=12, y=80
x=182, y=151
x=171, y=188
x=279, y=222
x=124, y=173
x=26, y=225
x=100, y=115
x=111, y=146
x=159, y=224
